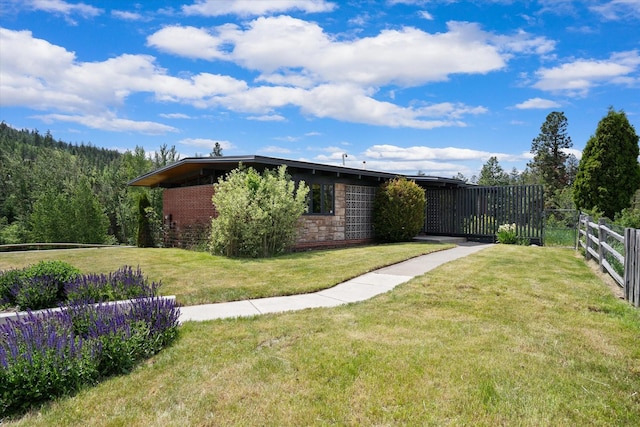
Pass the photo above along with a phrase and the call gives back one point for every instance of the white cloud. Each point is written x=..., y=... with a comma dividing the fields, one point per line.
x=255, y=8
x=268, y=118
x=395, y=153
x=426, y=15
x=272, y=149
x=615, y=10
x=578, y=77
x=289, y=46
x=205, y=143
x=128, y=16
x=111, y=123
x=189, y=42
x=66, y=9
x=537, y=103
x=174, y=116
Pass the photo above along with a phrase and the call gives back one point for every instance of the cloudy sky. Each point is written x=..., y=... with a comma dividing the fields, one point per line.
x=436, y=86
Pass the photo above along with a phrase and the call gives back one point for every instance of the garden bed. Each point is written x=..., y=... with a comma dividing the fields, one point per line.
x=93, y=333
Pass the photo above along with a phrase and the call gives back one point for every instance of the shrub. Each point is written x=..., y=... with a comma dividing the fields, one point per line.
x=54, y=354
x=9, y=279
x=628, y=218
x=507, y=234
x=257, y=214
x=398, y=210
x=38, y=286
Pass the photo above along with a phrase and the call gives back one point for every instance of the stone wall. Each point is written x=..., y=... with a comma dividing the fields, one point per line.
x=323, y=230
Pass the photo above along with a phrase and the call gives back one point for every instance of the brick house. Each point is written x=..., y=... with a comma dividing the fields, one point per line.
x=340, y=198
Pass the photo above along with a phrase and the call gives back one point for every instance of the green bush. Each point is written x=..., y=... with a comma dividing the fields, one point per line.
x=507, y=234
x=628, y=218
x=257, y=214
x=37, y=286
x=398, y=210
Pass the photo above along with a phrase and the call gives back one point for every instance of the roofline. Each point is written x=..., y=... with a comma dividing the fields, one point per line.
x=300, y=164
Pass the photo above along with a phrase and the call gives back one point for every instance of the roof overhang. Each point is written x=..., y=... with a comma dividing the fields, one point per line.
x=192, y=166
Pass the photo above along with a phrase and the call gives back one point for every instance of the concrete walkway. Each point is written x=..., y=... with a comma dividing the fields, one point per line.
x=358, y=289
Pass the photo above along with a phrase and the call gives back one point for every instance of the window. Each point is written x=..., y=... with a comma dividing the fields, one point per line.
x=320, y=199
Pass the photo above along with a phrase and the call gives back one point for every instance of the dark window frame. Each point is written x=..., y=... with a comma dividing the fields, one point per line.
x=321, y=199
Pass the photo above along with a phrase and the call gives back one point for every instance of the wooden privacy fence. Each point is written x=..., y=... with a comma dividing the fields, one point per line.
x=477, y=212
x=608, y=247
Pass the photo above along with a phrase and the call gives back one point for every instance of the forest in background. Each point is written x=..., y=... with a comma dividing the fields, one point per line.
x=54, y=191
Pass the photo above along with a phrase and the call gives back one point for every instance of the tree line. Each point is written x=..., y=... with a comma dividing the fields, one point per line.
x=54, y=191
x=605, y=182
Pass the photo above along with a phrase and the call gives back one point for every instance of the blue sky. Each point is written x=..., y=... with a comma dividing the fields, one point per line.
x=435, y=86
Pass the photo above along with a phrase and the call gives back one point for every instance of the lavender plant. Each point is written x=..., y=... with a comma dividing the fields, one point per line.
x=54, y=353
x=124, y=283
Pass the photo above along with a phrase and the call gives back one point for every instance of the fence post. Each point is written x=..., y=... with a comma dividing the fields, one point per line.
x=602, y=237
x=587, y=241
x=632, y=266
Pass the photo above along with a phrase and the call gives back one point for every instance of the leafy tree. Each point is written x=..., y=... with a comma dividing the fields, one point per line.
x=398, y=210
x=608, y=174
x=493, y=174
x=550, y=157
x=257, y=215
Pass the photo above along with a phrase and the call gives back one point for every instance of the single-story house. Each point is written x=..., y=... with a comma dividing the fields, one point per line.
x=341, y=201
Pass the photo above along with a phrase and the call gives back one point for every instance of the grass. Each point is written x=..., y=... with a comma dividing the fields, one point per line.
x=511, y=335
x=199, y=278
x=565, y=237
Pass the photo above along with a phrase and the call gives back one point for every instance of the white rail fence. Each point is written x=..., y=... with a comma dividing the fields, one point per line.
x=608, y=247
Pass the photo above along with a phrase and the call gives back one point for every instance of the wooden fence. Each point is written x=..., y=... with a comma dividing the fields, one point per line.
x=599, y=242
x=477, y=212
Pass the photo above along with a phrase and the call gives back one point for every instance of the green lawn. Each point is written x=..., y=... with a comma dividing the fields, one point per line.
x=511, y=335
x=198, y=277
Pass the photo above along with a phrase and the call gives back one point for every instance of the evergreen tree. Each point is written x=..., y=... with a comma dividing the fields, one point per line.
x=608, y=174
x=549, y=161
x=145, y=237
x=217, y=150
x=493, y=174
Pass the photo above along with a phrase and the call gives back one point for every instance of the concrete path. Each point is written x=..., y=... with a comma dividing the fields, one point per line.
x=358, y=289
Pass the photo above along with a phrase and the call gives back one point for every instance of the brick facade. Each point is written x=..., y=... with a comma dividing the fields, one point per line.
x=187, y=210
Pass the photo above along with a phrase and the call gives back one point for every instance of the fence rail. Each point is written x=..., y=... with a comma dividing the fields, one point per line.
x=598, y=241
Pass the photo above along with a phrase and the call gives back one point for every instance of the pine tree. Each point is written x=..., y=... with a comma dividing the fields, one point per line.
x=549, y=162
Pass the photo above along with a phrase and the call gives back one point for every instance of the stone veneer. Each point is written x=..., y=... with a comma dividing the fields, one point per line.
x=320, y=230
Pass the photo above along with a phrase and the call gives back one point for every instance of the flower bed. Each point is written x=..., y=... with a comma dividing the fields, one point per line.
x=54, y=352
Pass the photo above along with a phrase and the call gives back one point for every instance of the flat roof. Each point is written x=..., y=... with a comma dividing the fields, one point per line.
x=193, y=165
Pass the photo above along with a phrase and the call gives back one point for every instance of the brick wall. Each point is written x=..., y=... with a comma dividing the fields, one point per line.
x=188, y=207
x=192, y=206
